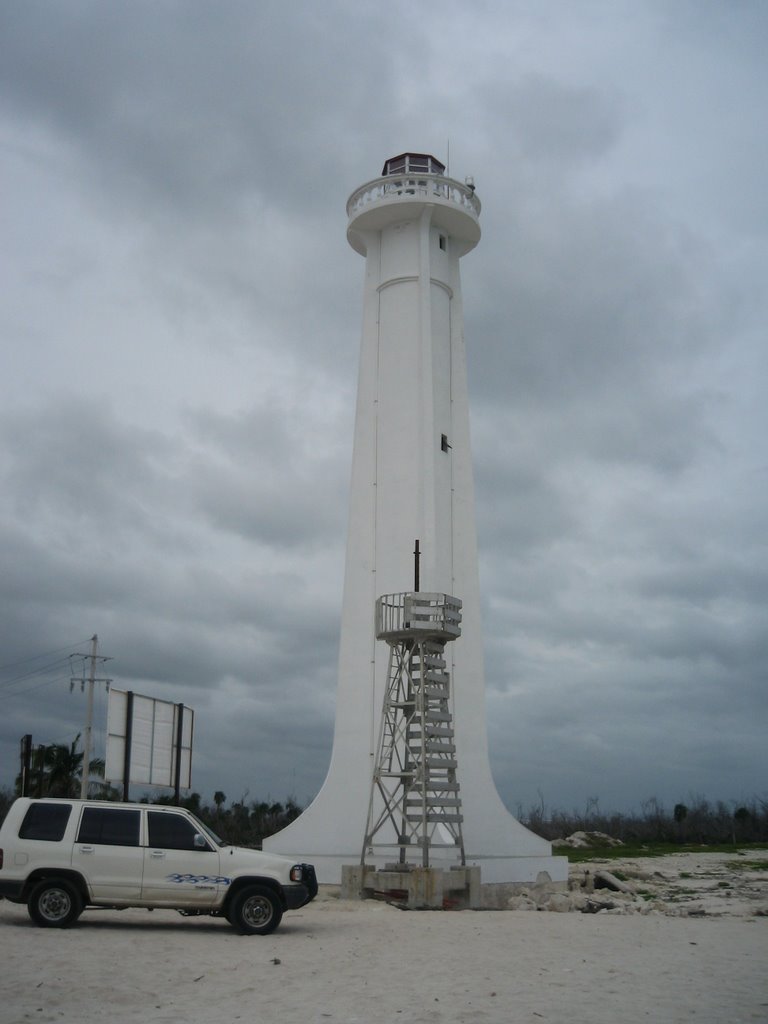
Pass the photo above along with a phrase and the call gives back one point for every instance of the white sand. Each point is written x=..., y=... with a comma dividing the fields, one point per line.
x=337, y=962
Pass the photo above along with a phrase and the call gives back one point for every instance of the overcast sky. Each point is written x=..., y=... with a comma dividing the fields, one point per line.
x=180, y=318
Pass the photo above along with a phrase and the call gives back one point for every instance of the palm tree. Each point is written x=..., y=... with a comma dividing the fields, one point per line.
x=56, y=770
x=65, y=766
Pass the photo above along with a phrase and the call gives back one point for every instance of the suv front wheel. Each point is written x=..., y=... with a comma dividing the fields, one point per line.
x=54, y=903
x=255, y=910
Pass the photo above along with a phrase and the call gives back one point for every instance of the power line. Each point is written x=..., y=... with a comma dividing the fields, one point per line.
x=45, y=654
x=23, y=691
x=36, y=672
x=24, y=683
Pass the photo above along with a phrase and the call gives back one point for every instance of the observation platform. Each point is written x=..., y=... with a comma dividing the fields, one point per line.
x=408, y=183
x=418, y=616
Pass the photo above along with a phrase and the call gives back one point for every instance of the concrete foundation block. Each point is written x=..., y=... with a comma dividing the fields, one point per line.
x=417, y=888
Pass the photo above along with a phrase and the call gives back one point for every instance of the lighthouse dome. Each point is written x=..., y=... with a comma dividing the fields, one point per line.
x=413, y=163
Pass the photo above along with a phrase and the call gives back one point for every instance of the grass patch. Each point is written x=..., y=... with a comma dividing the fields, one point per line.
x=631, y=851
x=747, y=865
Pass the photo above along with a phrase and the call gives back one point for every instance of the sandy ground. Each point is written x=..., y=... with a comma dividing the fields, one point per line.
x=685, y=948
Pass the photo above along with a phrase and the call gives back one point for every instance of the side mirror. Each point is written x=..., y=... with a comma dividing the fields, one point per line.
x=199, y=842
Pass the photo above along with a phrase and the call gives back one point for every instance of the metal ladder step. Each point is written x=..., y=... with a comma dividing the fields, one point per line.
x=445, y=819
x=435, y=802
x=431, y=731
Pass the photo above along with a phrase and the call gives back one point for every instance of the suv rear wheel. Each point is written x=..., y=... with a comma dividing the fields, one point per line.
x=255, y=910
x=54, y=903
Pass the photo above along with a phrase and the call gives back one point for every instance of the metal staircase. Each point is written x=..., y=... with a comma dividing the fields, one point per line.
x=415, y=803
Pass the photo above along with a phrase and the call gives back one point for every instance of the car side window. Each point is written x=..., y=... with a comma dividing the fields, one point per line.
x=109, y=827
x=45, y=821
x=171, y=831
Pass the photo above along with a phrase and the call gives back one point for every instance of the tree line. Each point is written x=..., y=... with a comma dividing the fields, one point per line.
x=698, y=821
x=56, y=771
x=245, y=822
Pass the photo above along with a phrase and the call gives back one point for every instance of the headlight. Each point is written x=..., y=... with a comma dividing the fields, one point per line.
x=297, y=873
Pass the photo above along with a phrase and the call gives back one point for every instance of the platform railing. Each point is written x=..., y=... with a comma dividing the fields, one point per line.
x=418, y=186
x=417, y=613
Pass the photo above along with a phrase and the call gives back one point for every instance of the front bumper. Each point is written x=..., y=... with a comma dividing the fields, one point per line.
x=302, y=892
x=309, y=878
x=296, y=896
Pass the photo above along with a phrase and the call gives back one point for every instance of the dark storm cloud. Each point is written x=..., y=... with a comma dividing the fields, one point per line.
x=85, y=488
x=199, y=103
x=630, y=303
x=551, y=125
x=264, y=472
x=63, y=463
x=179, y=337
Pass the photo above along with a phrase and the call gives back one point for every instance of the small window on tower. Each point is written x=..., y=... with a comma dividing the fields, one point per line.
x=443, y=243
x=444, y=443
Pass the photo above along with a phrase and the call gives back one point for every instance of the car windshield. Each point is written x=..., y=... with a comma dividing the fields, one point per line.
x=209, y=832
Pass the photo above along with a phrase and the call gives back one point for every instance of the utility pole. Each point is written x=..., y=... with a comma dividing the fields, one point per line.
x=26, y=763
x=89, y=721
x=87, y=741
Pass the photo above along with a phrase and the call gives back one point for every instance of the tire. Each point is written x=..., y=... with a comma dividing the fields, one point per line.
x=54, y=903
x=255, y=910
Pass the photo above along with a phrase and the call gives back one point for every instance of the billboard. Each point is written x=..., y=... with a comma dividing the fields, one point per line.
x=151, y=738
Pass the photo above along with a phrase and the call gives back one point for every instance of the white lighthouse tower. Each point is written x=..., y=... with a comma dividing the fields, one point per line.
x=411, y=481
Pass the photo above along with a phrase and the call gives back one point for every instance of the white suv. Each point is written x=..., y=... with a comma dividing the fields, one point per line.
x=60, y=856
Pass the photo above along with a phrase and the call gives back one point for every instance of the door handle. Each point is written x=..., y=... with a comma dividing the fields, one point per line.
x=157, y=853
x=87, y=849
